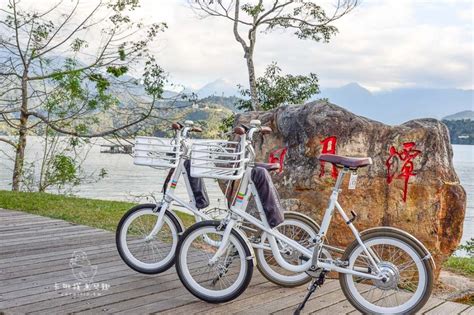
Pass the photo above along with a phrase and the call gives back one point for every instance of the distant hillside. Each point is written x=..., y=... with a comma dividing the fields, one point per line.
x=461, y=131
x=467, y=114
x=225, y=101
x=461, y=127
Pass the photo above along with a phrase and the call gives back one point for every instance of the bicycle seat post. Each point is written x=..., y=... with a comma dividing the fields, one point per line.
x=339, y=179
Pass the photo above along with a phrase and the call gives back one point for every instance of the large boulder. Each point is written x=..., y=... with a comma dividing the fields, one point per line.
x=411, y=185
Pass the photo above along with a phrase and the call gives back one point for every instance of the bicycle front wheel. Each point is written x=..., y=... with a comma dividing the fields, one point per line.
x=408, y=276
x=139, y=248
x=218, y=282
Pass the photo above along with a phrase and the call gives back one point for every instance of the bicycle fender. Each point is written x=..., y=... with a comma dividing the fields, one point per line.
x=172, y=213
x=303, y=215
x=396, y=230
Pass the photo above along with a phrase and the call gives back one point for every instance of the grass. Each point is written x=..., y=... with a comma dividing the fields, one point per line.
x=460, y=265
x=100, y=214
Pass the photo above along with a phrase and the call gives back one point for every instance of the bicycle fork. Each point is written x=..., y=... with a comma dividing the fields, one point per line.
x=227, y=226
x=162, y=208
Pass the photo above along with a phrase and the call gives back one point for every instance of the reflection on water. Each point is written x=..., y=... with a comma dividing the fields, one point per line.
x=128, y=182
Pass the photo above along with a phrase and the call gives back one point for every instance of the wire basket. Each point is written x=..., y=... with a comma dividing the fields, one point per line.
x=156, y=152
x=217, y=159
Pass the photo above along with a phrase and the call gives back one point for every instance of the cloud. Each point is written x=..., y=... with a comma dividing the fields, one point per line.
x=382, y=45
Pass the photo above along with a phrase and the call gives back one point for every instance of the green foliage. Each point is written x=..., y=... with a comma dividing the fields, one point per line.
x=307, y=19
x=461, y=265
x=253, y=10
x=274, y=89
x=227, y=123
x=96, y=213
x=153, y=78
x=461, y=131
x=117, y=71
x=77, y=44
x=63, y=171
x=468, y=247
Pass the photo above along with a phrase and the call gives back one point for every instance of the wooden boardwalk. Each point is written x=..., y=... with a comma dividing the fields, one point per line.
x=36, y=277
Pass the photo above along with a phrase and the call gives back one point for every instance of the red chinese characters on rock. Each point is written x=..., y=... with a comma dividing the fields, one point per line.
x=329, y=147
x=405, y=156
x=278, y=156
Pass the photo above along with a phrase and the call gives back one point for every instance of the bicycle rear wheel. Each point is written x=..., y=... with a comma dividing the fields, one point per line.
x=409, y=276
x=299, y=228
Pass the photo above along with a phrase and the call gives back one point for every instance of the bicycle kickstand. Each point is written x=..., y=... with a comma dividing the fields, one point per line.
x=314, y=285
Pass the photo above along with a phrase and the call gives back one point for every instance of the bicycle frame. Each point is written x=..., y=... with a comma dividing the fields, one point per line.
x=237, y=210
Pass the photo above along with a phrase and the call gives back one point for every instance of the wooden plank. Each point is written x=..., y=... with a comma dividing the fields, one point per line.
x=343, y=307
x=468, y=311
x=22, y=221
x=27, y=234
x=432, y=303
x=155, y=302
x=52, y=256
x=8, y=213
x=63, y=264
x=41, y=286
x=32, y=241
x=72, y=243
x=447, y=308
x=36, y=253
x=33, y=254
x=145, y=285
x=315, y=304
x=292, y=298
x=32, y=226
x=249, y=303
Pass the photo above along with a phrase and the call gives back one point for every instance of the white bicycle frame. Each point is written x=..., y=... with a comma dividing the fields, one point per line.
x=237, y=210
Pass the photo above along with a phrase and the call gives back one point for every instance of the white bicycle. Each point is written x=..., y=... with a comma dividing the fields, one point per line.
x=383, y=271
x=147, y=235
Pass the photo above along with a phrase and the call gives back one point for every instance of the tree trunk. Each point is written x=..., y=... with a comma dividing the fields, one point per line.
x=252, y=83
x=20, y=149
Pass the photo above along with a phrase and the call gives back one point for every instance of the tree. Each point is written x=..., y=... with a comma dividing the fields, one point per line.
x=68, y=72
x=307, y=19
x=274, y=89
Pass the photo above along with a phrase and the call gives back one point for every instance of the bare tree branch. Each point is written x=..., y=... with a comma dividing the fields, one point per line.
x=13, y=144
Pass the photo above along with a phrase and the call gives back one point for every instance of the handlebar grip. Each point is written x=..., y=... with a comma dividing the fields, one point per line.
x=239, y=130
x=196, y=129
x=266, y=130
x=176, y=126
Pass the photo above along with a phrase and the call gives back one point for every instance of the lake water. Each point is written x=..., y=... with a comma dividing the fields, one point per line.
x=128, y=182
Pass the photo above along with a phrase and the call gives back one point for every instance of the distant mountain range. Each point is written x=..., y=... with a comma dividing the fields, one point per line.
x=391, y=107
x=399, y=105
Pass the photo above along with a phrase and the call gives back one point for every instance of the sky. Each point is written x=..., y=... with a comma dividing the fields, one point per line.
x=382, y=45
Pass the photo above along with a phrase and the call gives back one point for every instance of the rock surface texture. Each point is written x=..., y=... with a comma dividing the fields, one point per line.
x=430, y=205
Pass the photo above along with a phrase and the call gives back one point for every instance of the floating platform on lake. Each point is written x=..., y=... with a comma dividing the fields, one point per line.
x=116, y=148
